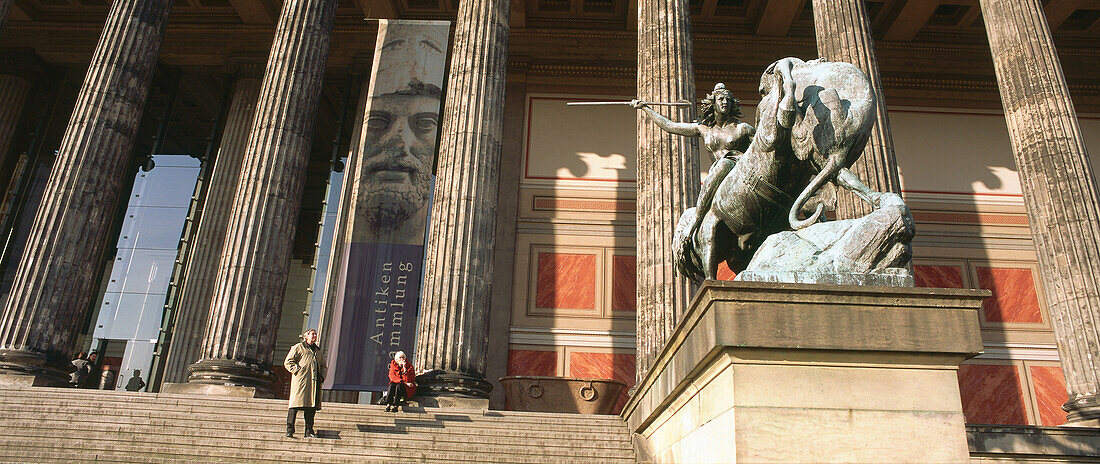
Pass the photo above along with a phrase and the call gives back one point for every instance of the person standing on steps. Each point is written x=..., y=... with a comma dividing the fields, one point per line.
x=93, y=375
x=402, y=382
x=83, y=368
x=307, y=367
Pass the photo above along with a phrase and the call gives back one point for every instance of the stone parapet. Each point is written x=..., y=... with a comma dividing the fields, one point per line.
x=765, y=372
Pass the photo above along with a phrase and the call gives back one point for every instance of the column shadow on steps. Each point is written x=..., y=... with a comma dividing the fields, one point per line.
x=404, y=425
x=328, y=434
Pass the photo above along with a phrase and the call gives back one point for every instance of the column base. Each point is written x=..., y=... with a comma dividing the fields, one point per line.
x=452, y=389
x=25, y=368
x=228, y=377
x=763, y=372
x=1083, y=412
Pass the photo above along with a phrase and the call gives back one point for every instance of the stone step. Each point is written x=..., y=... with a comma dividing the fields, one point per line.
x=342, y=442
x=408, y=420
x=369, y=435
x=116, y=395
x=198, y=405
x=69, y=426
x=291, y=450
x=133, y=454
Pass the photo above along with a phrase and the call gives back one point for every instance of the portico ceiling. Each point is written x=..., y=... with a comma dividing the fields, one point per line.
x=894, y=20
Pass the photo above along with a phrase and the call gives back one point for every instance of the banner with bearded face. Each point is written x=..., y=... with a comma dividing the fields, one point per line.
x=378, y=250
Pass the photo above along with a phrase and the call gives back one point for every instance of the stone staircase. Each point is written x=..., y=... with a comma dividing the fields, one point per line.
x=54, y=425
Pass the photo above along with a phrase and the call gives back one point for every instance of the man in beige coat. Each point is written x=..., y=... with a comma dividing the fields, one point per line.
x=307, y=368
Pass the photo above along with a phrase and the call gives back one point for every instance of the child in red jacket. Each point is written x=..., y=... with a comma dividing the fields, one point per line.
x=402, y=382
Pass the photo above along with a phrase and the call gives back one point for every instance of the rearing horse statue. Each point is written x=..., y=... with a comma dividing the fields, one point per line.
x=812, y=123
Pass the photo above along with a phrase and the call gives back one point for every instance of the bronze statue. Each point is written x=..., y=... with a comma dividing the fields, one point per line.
x=813, y=120
x=723, y=134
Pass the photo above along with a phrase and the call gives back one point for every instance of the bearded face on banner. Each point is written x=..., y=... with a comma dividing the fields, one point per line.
x=401, y=132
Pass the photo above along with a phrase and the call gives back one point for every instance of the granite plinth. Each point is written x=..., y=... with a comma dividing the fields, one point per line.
x=766, y=372
x=454, y=402
x=191, y=389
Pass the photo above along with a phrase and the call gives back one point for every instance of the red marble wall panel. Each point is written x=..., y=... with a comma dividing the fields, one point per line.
x=1050, y=393
x=532, y=362
x=566, y=281
x=938, y=276
x=1014, y=298
x=724, y=272
x=624, y=296
x=992, y=394
x=616, y=366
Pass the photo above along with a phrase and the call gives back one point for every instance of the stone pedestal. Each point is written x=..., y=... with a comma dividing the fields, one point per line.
x=668, y=171
x=762, y=372
x=56, y=275
x=453, y=328
x=252, y=273
x=843, y=32
x=1059, y=189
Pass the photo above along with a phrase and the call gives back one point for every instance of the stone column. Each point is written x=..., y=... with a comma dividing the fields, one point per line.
x=15, y=85
x=252, y=272
x=844, y=34
x=1059, y=189
x=458, y=271
x=55, y=277
x=668, y=171
x=193, y=306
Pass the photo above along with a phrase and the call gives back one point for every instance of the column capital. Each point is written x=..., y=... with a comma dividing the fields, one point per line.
x=246, y=66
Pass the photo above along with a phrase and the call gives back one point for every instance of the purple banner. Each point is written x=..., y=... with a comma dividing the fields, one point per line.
x=379, y=312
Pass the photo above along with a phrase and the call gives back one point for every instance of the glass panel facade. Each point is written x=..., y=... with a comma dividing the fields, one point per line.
x=324, y=246
x=134, y=296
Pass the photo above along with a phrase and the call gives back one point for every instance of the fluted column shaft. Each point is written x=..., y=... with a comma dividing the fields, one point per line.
x=844, y=34
x=5, y=9
x=454, y=321
x=13, y=94
x=1059, y=189
x=252, y=273
x=668, y=171
x=54, y=278
x=199, y=277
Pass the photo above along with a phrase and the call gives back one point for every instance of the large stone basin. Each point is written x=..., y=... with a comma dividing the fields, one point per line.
x=561, y=394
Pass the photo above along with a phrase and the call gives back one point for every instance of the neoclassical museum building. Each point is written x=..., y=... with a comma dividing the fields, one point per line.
x=172, y=174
